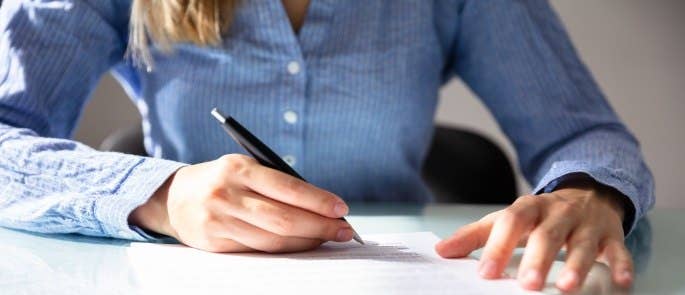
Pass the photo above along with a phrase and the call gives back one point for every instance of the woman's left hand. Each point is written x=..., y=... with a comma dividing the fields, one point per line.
x=584, y=218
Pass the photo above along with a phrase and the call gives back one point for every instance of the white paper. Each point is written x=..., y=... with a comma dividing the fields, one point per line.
x=388, y=264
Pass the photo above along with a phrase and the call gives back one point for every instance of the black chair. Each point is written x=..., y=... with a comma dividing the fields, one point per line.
x=461, y=166
x=465, y=167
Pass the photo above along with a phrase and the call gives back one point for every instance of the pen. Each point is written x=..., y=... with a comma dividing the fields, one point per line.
x=262, y=153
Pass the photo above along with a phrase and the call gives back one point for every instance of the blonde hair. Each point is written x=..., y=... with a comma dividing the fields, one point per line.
x=166, y=22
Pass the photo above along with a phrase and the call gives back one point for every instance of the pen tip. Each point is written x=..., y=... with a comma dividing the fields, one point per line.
x=358, y=239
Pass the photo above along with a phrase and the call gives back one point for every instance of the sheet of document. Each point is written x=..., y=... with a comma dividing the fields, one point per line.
x=388, y=264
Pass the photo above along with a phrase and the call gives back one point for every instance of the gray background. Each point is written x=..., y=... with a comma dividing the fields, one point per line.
x=635, y=48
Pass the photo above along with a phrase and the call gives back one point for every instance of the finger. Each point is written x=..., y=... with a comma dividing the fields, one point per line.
x=220, y=245
x=506, y=234
x=583, y=247
x=471, y=237
x=542, y=247
x=619, y=260
x=465, y=240
x=283, y=219
x=290, y=190
x=259, y=239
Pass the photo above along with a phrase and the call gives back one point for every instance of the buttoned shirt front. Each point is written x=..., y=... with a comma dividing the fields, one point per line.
x=348, y=102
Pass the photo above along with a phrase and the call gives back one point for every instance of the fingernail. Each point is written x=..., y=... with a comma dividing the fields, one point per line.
x=488, y=269
x=532, y=278
x=340, y=209
x=569, y=279
x=344, y=234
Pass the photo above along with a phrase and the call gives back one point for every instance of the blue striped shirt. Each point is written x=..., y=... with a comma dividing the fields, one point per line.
x=349, y=101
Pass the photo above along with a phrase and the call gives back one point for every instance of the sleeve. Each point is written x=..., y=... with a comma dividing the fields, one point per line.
x=516, y=56
x=52, y=54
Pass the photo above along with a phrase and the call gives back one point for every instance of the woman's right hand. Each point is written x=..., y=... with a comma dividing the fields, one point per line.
x=234, y=204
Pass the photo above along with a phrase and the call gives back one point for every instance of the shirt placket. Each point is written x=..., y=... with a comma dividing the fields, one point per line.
x=293, y=66
x=292, y=111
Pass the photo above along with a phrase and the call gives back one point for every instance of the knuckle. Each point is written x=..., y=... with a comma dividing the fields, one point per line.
x=587, y=234
x=584, y=244
x=527, y=199
x=514, y=215
x=509, y=214
x=567, y=209
x=237, y=164
x=226, y=160
x=548, y=234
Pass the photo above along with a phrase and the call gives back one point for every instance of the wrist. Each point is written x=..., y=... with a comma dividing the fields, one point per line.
x=616, y=200
x=153, y=214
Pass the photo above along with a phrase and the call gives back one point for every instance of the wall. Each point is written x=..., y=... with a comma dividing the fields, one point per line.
x=635, y=48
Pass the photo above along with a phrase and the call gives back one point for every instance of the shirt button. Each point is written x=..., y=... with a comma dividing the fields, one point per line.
x=289, y=159
x=293, y=67
x=290, y=117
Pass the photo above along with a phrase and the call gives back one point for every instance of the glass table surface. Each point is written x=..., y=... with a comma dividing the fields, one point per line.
x=72, y=264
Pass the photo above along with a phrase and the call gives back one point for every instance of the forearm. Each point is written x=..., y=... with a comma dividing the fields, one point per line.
x=62, y=186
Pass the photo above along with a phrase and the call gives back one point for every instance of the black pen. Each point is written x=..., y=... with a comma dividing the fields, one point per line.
x=262, y=153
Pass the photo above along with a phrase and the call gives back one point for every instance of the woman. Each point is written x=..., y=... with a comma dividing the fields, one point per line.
x=347, y=93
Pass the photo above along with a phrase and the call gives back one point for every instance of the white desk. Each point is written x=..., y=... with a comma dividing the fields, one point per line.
x=71, y=264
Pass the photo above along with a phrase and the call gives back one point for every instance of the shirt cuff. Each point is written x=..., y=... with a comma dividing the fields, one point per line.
x=140, y=184
x=560, y=171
